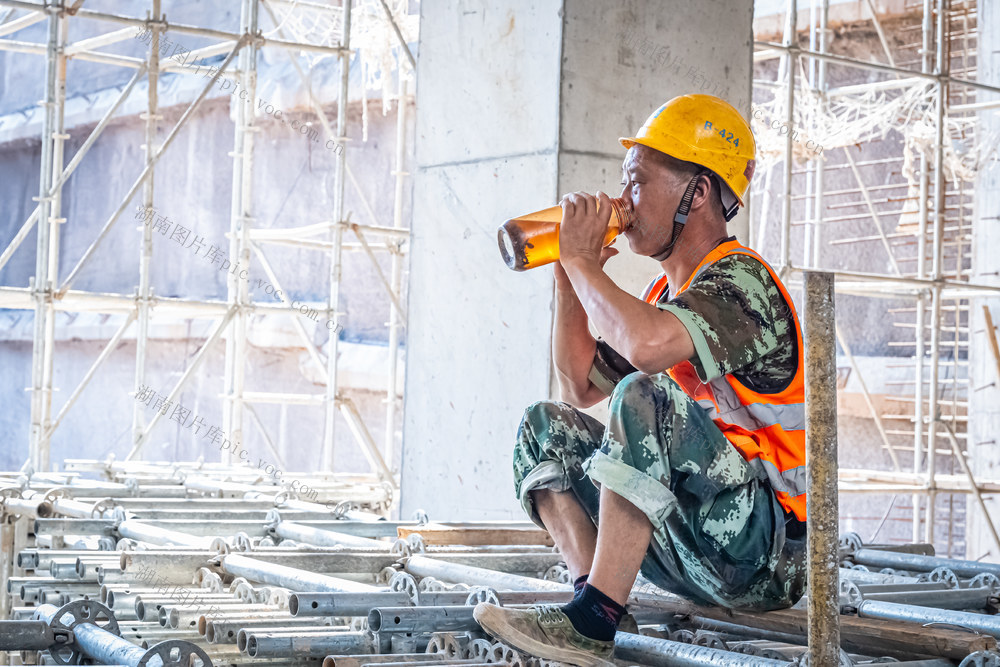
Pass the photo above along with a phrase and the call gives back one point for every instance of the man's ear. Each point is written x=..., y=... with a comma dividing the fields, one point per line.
x=703, y=191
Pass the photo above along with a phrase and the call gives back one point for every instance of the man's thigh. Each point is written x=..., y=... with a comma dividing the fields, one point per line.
x=714, y=518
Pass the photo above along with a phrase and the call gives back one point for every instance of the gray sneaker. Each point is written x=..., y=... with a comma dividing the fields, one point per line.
x=543, y=631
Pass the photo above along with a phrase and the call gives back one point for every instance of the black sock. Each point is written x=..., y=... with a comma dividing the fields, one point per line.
x=594, y=614
x=578, y=585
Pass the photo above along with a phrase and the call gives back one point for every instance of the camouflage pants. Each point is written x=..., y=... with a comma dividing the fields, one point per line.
x=718, y=531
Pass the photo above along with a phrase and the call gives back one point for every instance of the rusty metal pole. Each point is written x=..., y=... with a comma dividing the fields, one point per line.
x=821, y=469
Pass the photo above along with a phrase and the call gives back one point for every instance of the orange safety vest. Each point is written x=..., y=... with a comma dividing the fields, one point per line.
x=768, y=430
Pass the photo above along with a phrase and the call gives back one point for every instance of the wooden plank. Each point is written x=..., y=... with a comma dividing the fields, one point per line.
x=868, y=636
x=858, y=635
x=443, y=534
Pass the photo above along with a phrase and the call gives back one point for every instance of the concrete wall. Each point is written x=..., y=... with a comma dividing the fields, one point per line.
x=520, y=102
x=983, y=444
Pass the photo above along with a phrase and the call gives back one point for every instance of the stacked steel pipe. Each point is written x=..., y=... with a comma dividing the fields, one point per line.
x=155, y=570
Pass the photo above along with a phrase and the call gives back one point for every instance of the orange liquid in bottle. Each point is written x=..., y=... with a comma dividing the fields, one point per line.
x=533, y=240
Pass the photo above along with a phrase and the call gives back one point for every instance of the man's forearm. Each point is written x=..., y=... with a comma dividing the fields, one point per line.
x=632, y=327
x=573, y=347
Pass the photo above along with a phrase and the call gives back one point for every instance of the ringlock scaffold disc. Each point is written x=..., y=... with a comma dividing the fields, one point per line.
x=483, y=594
x=986, y=580
x=403, y=582
x=219, y=546
x=385, y=575
x=175, y=653
x=943, y=575
x=850, y=594
x=101, y=506
x=416, y=542
x=76, y=613
x=447, y=644
x=851, y=542
x=981, y=659
x=118, y=515
x=278, y=596
x=400, y=548
x=744, y=647
x=683, y=635
x=710, y=639
x=506, y=655
x=242, y=542
x=558, y=573
x=480, y=650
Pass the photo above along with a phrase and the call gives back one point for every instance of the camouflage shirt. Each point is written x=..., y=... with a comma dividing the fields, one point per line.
x=738, y=321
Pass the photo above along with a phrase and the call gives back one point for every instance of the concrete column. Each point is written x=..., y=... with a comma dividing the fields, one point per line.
x=518, y=103
x=983, y=442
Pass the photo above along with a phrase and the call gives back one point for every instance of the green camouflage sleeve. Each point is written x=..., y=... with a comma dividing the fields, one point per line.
x=609, y=367
x=739, y=323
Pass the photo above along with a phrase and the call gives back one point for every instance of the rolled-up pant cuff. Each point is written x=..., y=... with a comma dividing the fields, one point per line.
x=648, y=494
x=546, y=475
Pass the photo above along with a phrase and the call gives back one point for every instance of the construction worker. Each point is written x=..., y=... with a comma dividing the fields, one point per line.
x=698, y=478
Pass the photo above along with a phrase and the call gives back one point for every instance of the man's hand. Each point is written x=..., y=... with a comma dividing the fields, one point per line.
x=583, y=228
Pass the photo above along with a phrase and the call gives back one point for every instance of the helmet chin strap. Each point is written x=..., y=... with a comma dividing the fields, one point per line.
x=680, y=217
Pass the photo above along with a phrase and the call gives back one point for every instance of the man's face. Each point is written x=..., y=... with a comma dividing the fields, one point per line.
x=654, y=193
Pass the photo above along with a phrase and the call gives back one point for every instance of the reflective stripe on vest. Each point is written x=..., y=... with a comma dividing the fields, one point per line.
x=754, y=416
x=767, y=429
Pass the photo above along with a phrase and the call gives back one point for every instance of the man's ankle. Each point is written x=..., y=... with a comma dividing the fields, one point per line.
x=593, y=614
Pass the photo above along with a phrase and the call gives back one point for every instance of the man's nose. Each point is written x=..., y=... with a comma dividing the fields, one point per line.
x=626, y=194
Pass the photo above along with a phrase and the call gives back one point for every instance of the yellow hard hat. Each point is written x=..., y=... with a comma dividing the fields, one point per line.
x=705, y=130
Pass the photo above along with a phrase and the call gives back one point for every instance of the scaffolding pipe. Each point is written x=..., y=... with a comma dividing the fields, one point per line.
x=43, y=281
x=821, y=468
x=224, y=631
x=957, y=598
x=241, y=220
x=288, y=577
x=342, y=604
x=322, y=537
x=299, y=644
x=663, y=652
x=457, y=618
x=337, y=238
x=792, y=49
x=422, y=566
x=890, y=611
x=941, y=68
x=918, y=563
x=144, y=291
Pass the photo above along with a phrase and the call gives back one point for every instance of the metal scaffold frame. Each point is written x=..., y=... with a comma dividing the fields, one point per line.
x=47, y=293
x=931, y=285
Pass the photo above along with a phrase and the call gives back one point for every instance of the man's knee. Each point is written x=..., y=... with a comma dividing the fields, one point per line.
x=540, y=410
x=642, y=389
x=643, y=403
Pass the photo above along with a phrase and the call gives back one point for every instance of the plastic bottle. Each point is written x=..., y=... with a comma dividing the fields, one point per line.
x=533, y=240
